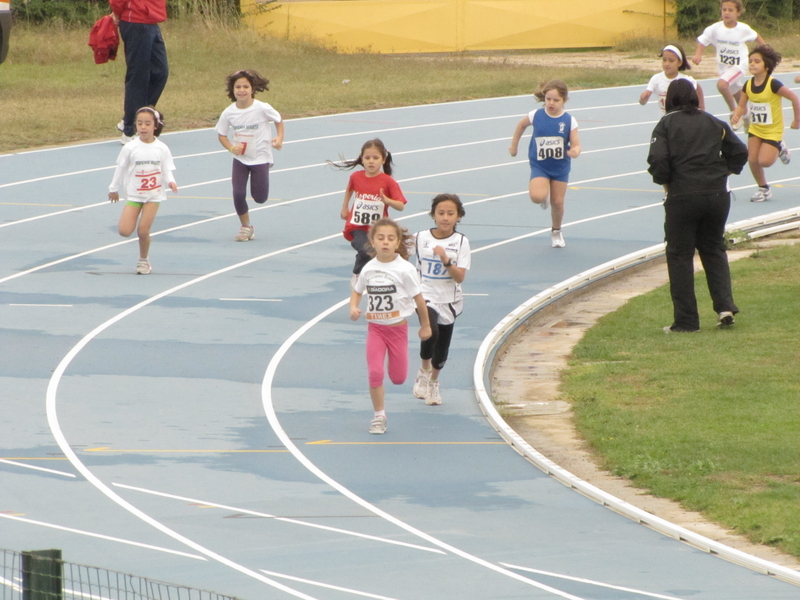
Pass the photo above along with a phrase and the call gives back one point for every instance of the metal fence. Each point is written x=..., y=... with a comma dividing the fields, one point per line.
x=42, y=575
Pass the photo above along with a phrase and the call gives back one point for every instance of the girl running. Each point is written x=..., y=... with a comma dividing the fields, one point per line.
x=144, y=169
x=244, y=130
x=762, y=98
x=393, y=292
x=374, y=193
x=673, y=63
x=729, y=37
x=443, y=259
x=553, y=144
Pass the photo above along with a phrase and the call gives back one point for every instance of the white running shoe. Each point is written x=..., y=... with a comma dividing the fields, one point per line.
x=738, y=125
x=761, y=195
x=433, y=399
x=377, y=426
x=421, y=384
x=246, y=233
x=143, y=267
x=546, y=204
x=784, y=154
x=124, y=139
x=725, y=319
x=556, y=239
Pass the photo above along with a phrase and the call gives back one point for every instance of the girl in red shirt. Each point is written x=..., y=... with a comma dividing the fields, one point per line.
x=374, y=191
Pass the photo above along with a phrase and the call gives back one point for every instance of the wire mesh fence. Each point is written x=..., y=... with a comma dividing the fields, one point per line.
x=42, y=575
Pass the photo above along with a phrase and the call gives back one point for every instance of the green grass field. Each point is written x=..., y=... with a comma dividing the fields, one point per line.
x=50, y=76
x=710, y=419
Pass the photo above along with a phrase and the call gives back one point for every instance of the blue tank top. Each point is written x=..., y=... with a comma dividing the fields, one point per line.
x=550, y=142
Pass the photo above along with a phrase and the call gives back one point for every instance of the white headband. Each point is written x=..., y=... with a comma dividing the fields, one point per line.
x=154, y=112
x=675, y=50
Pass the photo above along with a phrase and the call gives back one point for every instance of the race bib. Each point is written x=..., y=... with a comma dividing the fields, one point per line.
x=382, y=303
x=760, y=114
x=433, y=268
x=550, y=147
x=148, y=183
x=246, y=137
x=365, y=212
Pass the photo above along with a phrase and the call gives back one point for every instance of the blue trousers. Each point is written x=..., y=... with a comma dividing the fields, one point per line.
x=692, y=222
x=146, y=58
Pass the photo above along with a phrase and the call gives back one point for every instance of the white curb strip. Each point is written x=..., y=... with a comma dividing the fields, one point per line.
x=757, y=227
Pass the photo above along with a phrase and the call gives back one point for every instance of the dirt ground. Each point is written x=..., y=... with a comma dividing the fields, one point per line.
x=618, y=60
x=525, y=385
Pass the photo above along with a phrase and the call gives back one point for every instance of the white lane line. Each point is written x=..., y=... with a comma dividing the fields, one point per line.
x=251, y=299
x=35, y=468
x=591, y=582
x=266, y=392
x=46, y=305
x=326, y=585
x=66, y=449
x=272, y=417
x=53, y=214
x=100, y=536
x=288, y=202
x=273, y=517
x=351, y=134
x=51, y=402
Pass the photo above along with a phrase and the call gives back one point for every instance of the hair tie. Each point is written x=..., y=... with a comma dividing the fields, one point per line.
x=675, y=50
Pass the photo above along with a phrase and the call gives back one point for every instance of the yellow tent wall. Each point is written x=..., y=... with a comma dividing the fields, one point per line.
x=399, y=26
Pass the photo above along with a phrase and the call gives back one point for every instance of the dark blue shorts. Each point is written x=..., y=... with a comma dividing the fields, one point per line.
x=559, y=174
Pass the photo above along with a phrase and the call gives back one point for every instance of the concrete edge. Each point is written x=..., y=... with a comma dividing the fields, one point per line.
x=499, y=335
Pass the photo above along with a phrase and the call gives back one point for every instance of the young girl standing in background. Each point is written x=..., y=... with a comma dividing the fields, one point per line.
x=553, y=144
x=729, y=37
x=393, y=292
x=144, y=169
x=244, y=130
x=762, y=98
x=443, y=259
x=673, y=63
x=375, y=192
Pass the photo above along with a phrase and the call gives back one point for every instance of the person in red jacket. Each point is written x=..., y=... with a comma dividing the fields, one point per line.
x=145, y=56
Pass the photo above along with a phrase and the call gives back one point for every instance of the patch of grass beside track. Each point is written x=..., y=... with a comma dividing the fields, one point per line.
x=710, y=419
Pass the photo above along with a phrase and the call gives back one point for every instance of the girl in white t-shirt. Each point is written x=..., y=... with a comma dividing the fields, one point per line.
x=393, y=293
x=730, y=38
x=673, y=63
x=144, y=170
x=443, y=259
x=244, y=129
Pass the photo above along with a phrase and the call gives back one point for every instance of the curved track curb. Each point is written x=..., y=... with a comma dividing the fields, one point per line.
x=758, y=227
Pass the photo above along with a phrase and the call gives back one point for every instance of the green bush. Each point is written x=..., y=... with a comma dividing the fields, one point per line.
x=692, y=16
x=66, y=12
x=86, y=12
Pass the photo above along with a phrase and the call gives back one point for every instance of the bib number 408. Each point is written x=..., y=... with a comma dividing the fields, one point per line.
x=551, y=153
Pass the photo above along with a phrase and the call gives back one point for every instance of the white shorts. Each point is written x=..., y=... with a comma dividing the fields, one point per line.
x=733, y=76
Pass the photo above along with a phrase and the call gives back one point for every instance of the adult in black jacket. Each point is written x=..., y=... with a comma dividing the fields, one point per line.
x=691, y=155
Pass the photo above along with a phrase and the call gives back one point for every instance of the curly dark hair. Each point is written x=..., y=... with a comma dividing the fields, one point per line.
x=772, y=57
x=257, y=82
